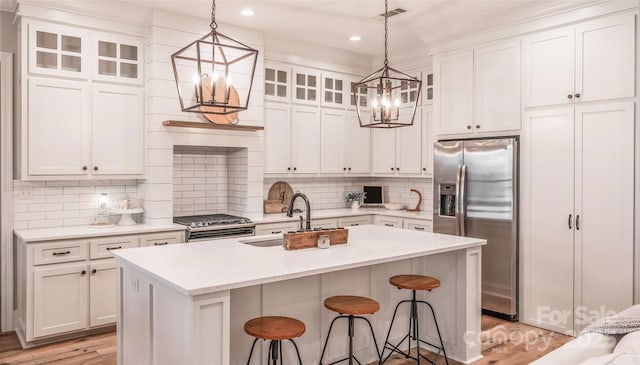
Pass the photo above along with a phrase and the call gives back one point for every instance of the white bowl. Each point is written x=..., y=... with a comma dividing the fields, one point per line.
x=394, y=206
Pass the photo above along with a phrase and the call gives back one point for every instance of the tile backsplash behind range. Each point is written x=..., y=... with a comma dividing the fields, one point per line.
x=209, y=180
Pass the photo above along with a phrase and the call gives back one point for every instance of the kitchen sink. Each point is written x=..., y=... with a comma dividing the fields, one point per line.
x=266, y=242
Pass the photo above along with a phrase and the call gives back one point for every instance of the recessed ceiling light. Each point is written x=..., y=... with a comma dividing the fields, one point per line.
x=355, y=38
x=247, y=12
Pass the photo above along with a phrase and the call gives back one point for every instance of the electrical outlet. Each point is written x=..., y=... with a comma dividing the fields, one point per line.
x=25, y=193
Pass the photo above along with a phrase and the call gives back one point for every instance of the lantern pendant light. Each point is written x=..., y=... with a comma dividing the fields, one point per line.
x=378, y=96
x=214, y=75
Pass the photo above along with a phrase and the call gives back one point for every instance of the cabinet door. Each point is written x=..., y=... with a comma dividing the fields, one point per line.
x=277, y=138
x=334, y=90
x=605, y=58
x=549, y=67
x=454, y=93
x=409, y=146
x=276, y=228
x=102, y=293
x=428, y=139
x=305, y=140
x=548, y=189
x=305, y=86
x=332, y=159
x=118, y=130
x=59, y=299
x=161, y=239
x=57, y=50
x=58, y=127
x=354, y=221
x=387, y=221
x=383, y=150
x=276, y=82
x=117, y=59
x=357, y=143
x=497, y=86
x=604, y=204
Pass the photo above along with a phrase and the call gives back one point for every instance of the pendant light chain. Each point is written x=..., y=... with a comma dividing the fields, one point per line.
x=213, y=23
x=386, y=30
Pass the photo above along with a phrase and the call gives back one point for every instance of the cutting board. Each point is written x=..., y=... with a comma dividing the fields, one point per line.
x=278, y=198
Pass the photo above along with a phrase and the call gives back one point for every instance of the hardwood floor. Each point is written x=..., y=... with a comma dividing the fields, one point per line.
x=503, y=343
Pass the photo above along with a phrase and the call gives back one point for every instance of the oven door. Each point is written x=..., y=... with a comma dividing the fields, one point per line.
x=210, y=234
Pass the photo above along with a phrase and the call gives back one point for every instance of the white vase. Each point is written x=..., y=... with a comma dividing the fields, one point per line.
x=355, y=205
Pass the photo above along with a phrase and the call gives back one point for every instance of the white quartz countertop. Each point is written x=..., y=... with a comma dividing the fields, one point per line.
x=64, y=233
x=210, y=266
x=345, y=212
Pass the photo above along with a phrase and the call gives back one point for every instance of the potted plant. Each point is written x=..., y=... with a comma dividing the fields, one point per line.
x=355, y=199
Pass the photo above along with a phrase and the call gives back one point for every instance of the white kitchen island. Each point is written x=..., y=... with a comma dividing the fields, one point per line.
x=187, y=304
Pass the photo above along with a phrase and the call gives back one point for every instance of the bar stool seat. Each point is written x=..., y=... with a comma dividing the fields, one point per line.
x=414, y=283
x=351, y=304
x=350, y=307
x=274, y=329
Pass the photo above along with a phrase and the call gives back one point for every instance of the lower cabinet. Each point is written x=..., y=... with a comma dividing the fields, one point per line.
x=276, y=228
x=67, y=286
x=380, y=220
x=324, y=224
x=355, y=221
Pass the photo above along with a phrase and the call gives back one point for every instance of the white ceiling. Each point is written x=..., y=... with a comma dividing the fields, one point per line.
x=331, y=22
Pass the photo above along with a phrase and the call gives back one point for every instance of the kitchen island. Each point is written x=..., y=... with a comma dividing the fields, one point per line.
x=186, y=304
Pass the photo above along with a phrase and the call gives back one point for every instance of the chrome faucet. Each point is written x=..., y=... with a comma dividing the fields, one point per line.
x=306, y=202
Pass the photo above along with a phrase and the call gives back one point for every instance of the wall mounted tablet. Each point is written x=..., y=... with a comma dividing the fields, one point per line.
x=374, y=194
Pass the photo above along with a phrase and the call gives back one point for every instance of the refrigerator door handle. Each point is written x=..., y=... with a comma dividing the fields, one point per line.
x=457, y=203
x=462, y=196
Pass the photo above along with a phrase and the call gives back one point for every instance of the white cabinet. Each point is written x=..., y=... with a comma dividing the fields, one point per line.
x=453, y=100
x=59, y=299
x=67, y=286
x=478, y=90
x=590, y=61
x=357, y=145
x=324, y=223
x=386, y=221
x=277, y=138
x=332, y=141
x=578, y=177
x=398, y=150
x=418, y=225
x=117, y=59
x=57, y=50
x=334, y=91
x=276, y=228
x=102, y=292
x=276, y=82
x=117, y=130
x=355, y=221
x=59, y=127
x=428, y=140
x=305, y=140
x=305, y=86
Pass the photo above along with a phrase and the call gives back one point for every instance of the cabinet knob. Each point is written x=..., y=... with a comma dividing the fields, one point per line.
x=424, y=169
x=94, y=271
x=344, y=169
x=569, y=96
x=84, y=168
x=477, y=126
x=95, y=168
x=295, y=168
x=468, y=126
x=577, y=95
x=288, y=168
x=392, y=169
x=349, y=168
x=83, y=272
x=397, y=169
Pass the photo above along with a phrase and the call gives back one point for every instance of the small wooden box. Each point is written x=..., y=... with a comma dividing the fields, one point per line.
x=296, y=240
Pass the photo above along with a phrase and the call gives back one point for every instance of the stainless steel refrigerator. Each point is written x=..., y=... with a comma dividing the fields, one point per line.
x=475, y=187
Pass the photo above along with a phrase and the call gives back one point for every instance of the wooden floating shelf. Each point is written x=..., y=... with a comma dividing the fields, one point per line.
x=205, y=125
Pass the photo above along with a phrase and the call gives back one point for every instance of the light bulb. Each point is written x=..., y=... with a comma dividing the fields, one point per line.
x=375, y=103
x=397, y=102
x=196, y=78
x=229, y=81
x=214, y=76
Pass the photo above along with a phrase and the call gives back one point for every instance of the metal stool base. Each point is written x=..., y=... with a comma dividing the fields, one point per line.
x=414, y=334
x=351, y=358
x=275, y=352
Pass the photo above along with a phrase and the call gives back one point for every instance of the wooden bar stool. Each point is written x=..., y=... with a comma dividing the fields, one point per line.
x=350, y=307
x=413, y=283
x=275, y=329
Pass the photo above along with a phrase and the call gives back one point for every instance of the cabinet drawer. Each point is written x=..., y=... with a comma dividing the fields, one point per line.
x=102, y=247
x=354, y=221
x=161, y=239
x=276, y=228
x=324, y=223
x=60, y=251
x=388, y=221
x=418, y=225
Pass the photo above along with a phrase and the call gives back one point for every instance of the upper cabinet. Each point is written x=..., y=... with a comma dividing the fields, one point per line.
x=478, y=90
x=306, y=86
x=57, y=50
x=117, y=59
x=591, y=61
x=334, y=90
x=276, y=82
x=82, y=103
x=398, y=151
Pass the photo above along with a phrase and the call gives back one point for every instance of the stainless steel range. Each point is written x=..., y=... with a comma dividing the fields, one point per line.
x=215, y=226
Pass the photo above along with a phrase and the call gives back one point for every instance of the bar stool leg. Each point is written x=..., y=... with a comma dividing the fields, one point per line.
x=326, y=341
x=251, y=352
x=297, y=352
x=386, y=340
